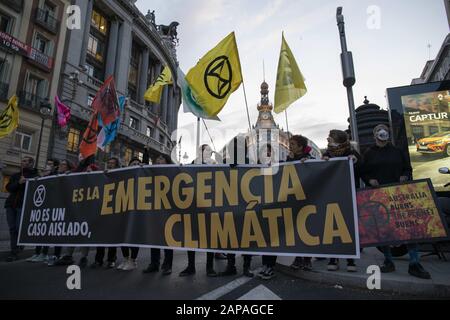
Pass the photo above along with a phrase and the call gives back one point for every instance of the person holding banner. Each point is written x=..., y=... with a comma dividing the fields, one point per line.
x=155, y=254
x=238, y=156
x=14, y=202
x=204, y=158
x=339, y=145
x=85, y=165
x=111, y=164
x=65, y=167
x=300, y=151
x=130, y=262
x=385, y=164
x=41, y=253
x=265, y=157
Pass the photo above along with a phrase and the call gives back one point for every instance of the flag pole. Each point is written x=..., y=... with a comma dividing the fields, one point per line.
x=210, y=138
x=248, y=118
x=287, y=123
x=198, y=139
x=246, y=106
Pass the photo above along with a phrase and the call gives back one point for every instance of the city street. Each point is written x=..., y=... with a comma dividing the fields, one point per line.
x=24, y=280
x=427, y=166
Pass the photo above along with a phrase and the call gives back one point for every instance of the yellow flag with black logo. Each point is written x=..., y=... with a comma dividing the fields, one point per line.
x=216, y=76
x=153, y=94
x=290, y=82
x=9, y=119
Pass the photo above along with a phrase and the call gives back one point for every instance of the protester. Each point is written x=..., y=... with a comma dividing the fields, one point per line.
x=155, y=254
x=339, y=145
x=300, y=151
x=41, y=253
x=266, y=157
x=239, y=155
x=386, y=164
x=65, y=167
x=85, y=165
x=130, y=262
x=14, y=202
x=111, y=164
x=205, y=157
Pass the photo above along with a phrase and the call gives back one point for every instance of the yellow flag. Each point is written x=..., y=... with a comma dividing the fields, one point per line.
x=216, y=76
x=290, y=82
x=9, y=119
x=153, y=94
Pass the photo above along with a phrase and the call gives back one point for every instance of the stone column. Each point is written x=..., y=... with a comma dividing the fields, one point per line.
x=123, y=56
x=86, y=30
x=112, y=48
x=143, y=73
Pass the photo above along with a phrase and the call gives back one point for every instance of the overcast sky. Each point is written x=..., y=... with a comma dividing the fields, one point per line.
x=388, y=52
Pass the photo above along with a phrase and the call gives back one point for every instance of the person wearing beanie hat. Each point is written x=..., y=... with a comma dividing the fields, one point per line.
x=339, y=146
x=300, y=151
x=386, y=164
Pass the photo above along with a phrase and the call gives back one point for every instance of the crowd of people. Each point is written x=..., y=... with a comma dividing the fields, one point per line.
x=381, y=164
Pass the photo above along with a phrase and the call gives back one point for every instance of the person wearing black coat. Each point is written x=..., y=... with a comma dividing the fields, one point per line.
x=155, y=254
x=14, y=202
x=300, y=151
x=41, y=253
x=339, y=146
x=204, y=158
x=238, y=154
x=386, y=164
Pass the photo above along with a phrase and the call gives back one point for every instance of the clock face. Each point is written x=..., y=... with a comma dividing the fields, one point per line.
x=265, y=116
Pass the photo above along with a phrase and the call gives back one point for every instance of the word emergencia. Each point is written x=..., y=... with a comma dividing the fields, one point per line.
x=301, y=209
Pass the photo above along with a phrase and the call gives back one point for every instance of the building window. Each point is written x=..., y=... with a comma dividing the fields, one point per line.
x=134, y=123
x=43, y=45
x=99, y=22
x=128, y=155
x=94, y=72
x=161, y=138
x=140, y=156
x=4, y=76
x=36, y=88
x=5, y=183
x=90, y=100
x=22, y=141
x=96, y=48
x=49, y=9
x=149, y=132
x=6, y=23
x=73, y=140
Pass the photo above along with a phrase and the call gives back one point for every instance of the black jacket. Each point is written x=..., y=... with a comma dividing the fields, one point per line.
x=357, y=167
x=385, y=164
x=16, y=190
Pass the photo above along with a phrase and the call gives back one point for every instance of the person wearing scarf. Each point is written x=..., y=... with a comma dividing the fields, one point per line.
x=339, y=146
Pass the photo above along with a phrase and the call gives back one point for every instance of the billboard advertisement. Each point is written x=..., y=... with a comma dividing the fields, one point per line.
x=421, y=125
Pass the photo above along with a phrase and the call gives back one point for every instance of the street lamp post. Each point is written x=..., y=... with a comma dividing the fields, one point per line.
x=348, y=72
x=185, y=157
x=45, y=109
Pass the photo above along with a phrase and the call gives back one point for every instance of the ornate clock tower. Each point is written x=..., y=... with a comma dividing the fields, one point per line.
x=266, y=131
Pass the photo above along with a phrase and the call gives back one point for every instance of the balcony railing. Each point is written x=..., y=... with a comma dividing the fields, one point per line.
x=45, y=19
x=16, y=5
x=94, y=81
x=30, y=101
x=4, y=87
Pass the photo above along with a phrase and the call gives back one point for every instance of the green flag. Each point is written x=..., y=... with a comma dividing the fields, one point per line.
x=290, y=82
x=189, y=102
